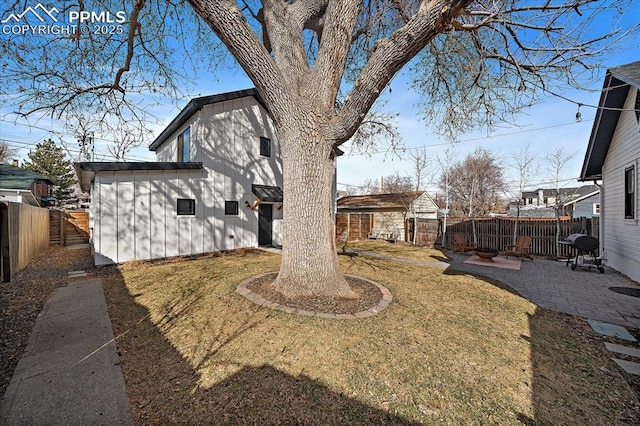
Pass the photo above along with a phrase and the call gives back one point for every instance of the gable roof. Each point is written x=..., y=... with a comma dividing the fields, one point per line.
x=615, y=90
x=195, y=105
x=377, y=201
x=12, y=177
x=564, y=192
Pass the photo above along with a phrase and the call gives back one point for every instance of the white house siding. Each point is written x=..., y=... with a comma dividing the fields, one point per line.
x=424, y=207
x=137, y=217
x=622, y=236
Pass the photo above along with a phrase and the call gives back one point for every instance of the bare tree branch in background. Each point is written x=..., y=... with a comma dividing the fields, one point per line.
x=525, y=164
x=6, y=153
x=556, y=162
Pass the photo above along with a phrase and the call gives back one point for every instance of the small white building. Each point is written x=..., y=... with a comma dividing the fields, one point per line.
x=216, y=185
x=613, y=156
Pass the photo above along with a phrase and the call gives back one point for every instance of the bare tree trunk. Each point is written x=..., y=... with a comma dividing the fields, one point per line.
x=309, y=259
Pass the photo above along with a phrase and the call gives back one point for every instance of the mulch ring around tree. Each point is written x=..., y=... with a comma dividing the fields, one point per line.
x=372, y=299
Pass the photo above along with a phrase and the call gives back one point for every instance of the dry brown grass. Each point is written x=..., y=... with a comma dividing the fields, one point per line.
x=399, y=249
x=451, y=348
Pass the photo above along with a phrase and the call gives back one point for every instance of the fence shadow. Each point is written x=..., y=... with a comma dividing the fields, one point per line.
x=164, y=388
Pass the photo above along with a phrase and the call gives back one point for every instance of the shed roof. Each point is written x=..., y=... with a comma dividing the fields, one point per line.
x=86, y=171
x=12, y=177
x=270, y=194
x=376, y=201
x=195, y=105
x=615, y=89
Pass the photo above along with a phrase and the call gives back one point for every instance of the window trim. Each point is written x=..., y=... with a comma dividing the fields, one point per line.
x=267, y=152
x=629, y=194
x=191, y=211
x=182, y=153
x=235, y=210
x=596, y=208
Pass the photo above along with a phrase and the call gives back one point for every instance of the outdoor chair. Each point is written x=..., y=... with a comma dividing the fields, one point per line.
x=520, y=249
x=460, y=244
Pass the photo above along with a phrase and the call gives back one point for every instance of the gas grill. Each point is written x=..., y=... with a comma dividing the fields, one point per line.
x=586, y=248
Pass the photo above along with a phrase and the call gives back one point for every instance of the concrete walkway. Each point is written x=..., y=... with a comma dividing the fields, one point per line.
x=553, y=285
x=69, y=373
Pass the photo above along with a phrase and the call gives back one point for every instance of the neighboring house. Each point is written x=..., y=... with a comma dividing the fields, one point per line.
x=613, y=156
x=216, y=185
x=574, y=202
x=586, y=205
x=390, y=210
x=20, y=185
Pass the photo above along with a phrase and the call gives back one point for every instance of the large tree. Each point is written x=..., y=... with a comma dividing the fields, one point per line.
x=319, y=65
x=476, y=183
x=50, y=160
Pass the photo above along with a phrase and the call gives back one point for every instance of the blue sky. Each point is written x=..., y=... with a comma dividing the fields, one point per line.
x=547, y=125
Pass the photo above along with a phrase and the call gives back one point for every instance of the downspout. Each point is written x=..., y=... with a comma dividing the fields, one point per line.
x=601, y=219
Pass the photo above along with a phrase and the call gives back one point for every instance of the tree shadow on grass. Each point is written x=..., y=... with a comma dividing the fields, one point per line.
x=573, y=379
x=163, y=388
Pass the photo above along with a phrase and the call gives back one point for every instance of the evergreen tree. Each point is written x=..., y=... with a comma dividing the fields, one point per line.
x=51, y=161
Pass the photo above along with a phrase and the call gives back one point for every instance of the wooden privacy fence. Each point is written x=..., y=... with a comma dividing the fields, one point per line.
x=497, y=232
x=24, y=233
x=68, y=227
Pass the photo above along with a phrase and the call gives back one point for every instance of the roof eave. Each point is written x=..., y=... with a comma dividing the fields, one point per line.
x=195, y=105
x=615, y=90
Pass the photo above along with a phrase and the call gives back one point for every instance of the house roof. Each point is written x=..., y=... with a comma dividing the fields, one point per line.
x=12, y=177
x=615, y=89
x=582, y=197
x=374, y=201
x=564, y=192
x=87, y=171
x=195, y=105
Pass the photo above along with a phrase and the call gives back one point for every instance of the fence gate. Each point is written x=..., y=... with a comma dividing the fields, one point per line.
x=68, y=228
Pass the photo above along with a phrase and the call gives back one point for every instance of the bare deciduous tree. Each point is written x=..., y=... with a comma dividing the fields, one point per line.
x=6, y=153
x=556, y=162
x=475, y=183
x=524, y=163
x=446, y=161
x=480, y=61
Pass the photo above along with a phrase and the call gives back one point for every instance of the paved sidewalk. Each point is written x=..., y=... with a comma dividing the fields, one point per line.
x=69, y=373
x=553, y=285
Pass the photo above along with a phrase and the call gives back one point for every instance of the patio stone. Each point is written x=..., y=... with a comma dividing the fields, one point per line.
x=611, y=330
x=628, y=366
x=625, y=350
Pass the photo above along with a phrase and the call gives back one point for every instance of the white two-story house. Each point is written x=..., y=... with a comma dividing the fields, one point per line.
x=216, y=185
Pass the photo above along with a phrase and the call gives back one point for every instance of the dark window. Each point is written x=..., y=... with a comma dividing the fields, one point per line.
x=231, y=208
x=184, y=146
x=265, y=147
x=186, y=206
x=637, y=105
x=629, y=193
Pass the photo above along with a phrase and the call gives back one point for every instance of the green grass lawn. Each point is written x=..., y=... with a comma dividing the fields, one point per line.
x=451, y=349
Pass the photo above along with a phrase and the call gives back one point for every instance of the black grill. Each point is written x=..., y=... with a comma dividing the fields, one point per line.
x=585, y=245
x=582, y=242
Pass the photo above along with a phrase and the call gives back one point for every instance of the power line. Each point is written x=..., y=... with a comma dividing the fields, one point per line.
x=471, y=139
